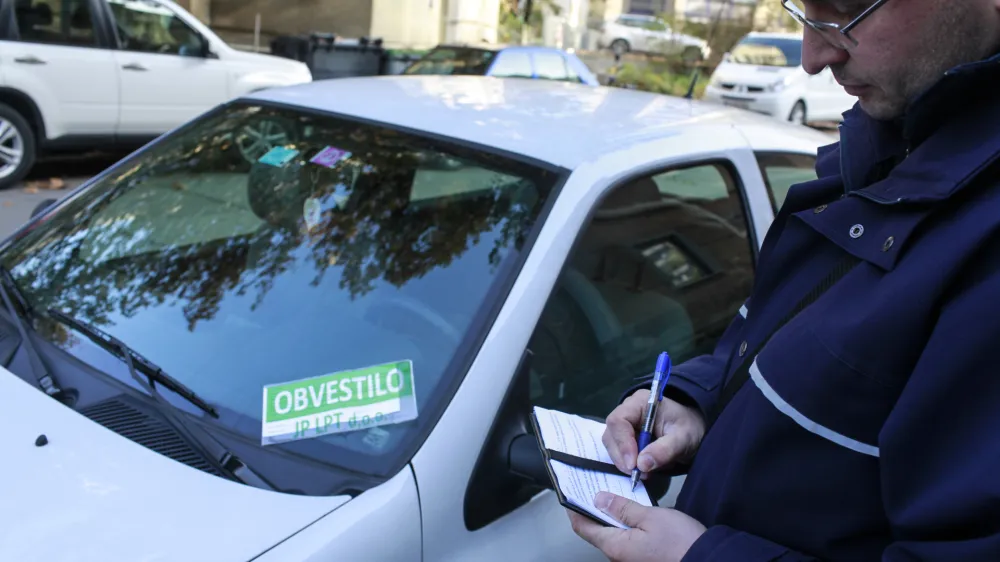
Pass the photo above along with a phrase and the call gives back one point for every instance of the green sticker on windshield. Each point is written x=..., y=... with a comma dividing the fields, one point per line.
x=338, y=402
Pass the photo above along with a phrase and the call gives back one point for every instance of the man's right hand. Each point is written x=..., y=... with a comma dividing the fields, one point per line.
x=677, y=433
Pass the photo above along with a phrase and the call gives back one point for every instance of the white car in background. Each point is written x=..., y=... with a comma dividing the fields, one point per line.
x=764, y=73
x=650, y=34
x=583, y=231
x=78, y=75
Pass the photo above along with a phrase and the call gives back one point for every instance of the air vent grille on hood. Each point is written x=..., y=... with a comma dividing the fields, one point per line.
x=149, y=431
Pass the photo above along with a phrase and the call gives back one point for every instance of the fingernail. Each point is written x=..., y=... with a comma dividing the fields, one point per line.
x=602, y=501
x=629, y=462
x=646, y=463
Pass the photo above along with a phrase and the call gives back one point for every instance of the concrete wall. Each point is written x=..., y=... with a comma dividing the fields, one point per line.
x=408, y=23
x=346, y=18
x=470, y=21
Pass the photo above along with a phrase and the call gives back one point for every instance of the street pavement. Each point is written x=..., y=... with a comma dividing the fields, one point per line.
x=50, y=179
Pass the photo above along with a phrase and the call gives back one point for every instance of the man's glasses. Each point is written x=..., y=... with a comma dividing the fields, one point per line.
x=837, y=35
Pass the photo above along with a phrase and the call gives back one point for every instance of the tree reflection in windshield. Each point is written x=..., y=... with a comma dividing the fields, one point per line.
x=175, y=227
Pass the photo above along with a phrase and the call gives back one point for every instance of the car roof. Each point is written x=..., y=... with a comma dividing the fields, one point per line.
x=774, y=35
x=561, y=123
x=497, y=47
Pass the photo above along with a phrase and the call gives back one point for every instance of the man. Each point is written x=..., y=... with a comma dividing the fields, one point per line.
x=869, y=424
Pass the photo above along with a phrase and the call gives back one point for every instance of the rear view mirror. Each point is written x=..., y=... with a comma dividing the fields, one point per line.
x=41, y=207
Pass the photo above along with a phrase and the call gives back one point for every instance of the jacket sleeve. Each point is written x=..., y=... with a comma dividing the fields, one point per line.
x=698, y=381
x=939, y=448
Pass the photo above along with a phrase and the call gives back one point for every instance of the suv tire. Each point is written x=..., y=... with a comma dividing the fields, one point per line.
x=17, y=143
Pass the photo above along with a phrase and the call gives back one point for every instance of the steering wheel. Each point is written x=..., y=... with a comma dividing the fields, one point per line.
x=414, y=307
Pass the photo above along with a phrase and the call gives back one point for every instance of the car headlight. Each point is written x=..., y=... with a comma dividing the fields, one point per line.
x=780, y=84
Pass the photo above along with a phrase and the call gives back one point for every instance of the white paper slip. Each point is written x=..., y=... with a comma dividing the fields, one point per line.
x=581, y=437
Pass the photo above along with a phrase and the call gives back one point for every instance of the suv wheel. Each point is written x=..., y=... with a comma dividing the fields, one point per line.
x=619, y=46
x=17, y=147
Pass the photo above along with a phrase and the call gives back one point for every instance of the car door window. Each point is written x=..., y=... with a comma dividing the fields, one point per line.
x=663, y=265
x=147, y=27
x=550, y=66
x=512, y=64
x=783, y=170
x=57, y=22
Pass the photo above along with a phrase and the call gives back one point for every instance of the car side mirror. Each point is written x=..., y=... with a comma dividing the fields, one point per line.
x=41, y=207
x=726, y=57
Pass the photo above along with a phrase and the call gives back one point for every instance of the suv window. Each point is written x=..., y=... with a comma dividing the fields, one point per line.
x=550, y=66
x=150, y=28
x=664, y=264
x=513, y=64
x=60, y=22
x=783, y=170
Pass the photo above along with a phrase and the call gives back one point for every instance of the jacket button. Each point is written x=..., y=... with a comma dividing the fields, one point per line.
x=857, y=230
x=888, y=244
x=819, y=209
x=743, y=348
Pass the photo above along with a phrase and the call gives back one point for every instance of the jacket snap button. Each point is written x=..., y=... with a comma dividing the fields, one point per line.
x=857, y=230
x=888, y=244
x=819, y=209
x=743, y=348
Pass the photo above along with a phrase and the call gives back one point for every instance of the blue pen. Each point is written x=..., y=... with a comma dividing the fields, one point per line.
x=660, y=378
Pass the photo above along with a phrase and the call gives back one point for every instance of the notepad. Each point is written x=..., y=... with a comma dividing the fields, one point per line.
x=579, y=464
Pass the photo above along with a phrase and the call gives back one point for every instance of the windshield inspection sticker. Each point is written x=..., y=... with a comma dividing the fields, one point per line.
x=329, y=156
x=278, y=156
x=338, y=402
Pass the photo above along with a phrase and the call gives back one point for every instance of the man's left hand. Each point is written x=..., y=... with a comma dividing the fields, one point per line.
x=656, y=534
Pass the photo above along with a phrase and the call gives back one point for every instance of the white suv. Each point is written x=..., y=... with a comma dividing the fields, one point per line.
x=642, y=33
x=86, y=74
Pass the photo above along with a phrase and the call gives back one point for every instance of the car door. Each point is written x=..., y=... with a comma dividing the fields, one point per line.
x=664, y=259
x=50, y=50
x=781, y=170
x=166, y=76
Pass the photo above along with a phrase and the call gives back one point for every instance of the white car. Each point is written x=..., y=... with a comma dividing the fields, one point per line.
x=100, y=74
x=764, y=73
x=347, y=335
x=650, y=34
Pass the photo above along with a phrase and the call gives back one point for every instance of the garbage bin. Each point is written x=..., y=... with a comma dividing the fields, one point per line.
x=291, y=47
x=330, y=58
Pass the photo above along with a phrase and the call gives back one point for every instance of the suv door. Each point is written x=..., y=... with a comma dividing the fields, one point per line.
x=167, y=74
x=51, y=49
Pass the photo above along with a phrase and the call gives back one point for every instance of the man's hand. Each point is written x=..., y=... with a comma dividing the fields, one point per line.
x=677, y=434
x=656, y=534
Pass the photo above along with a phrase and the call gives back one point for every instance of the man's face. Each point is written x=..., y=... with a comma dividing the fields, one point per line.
x=904, y=47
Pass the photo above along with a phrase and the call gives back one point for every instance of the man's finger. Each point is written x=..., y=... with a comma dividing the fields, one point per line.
x=592, y=531
x=620, y=431
x=662, y=451
x=625, y=511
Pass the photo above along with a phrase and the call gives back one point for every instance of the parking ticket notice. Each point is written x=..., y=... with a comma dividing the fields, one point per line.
x=338, y=402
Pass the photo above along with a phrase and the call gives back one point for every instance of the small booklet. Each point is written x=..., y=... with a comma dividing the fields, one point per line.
x=579, y=464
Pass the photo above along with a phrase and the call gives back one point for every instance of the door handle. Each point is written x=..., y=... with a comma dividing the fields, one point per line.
x=30, y=59
x=135, y=66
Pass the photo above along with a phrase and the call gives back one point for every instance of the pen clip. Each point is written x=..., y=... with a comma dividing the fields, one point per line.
x=663, y=363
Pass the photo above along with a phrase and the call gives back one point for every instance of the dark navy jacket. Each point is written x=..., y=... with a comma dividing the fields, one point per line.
x=870, y=426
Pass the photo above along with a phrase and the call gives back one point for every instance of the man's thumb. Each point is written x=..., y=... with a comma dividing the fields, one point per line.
x=625, y=511
x=660, y=452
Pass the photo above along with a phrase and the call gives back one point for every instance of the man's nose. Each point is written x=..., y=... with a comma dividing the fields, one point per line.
x=818, y=53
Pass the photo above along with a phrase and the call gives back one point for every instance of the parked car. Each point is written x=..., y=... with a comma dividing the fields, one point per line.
x=86, y=74
x=643, y=33
x=512, y=61
x=764, y=73
x=346, y=339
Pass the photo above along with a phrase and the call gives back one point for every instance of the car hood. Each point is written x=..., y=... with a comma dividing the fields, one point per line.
x=752, y=74
x=263, y=61
x=89, y=494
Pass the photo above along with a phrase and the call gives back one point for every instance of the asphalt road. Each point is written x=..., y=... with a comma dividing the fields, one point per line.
x=50, y=179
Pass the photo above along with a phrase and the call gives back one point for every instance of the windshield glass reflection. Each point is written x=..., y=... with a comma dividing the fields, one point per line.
x=263, y=245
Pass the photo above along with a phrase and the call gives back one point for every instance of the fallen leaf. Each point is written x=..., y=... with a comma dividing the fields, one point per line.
x=31, y=189
x=56, y=183
x=8, y=203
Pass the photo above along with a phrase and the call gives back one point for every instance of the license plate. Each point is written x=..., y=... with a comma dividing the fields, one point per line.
x=737, y=103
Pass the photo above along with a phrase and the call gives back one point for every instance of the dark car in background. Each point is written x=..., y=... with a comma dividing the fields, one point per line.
x=515, y=61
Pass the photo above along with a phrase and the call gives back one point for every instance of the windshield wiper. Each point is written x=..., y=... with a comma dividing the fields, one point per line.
x=7, y=287
x=135, y=361
x=224, y=458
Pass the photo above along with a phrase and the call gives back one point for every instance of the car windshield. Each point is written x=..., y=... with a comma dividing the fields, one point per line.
x=768, y=51
x=453, y=60
x=261, y=245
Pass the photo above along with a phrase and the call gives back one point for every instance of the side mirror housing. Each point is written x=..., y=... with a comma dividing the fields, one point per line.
x=41, y=207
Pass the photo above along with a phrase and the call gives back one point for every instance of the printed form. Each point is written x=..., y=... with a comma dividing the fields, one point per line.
x=581, y=437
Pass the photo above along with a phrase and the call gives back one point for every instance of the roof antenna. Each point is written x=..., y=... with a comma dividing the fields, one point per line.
x=694, y=80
